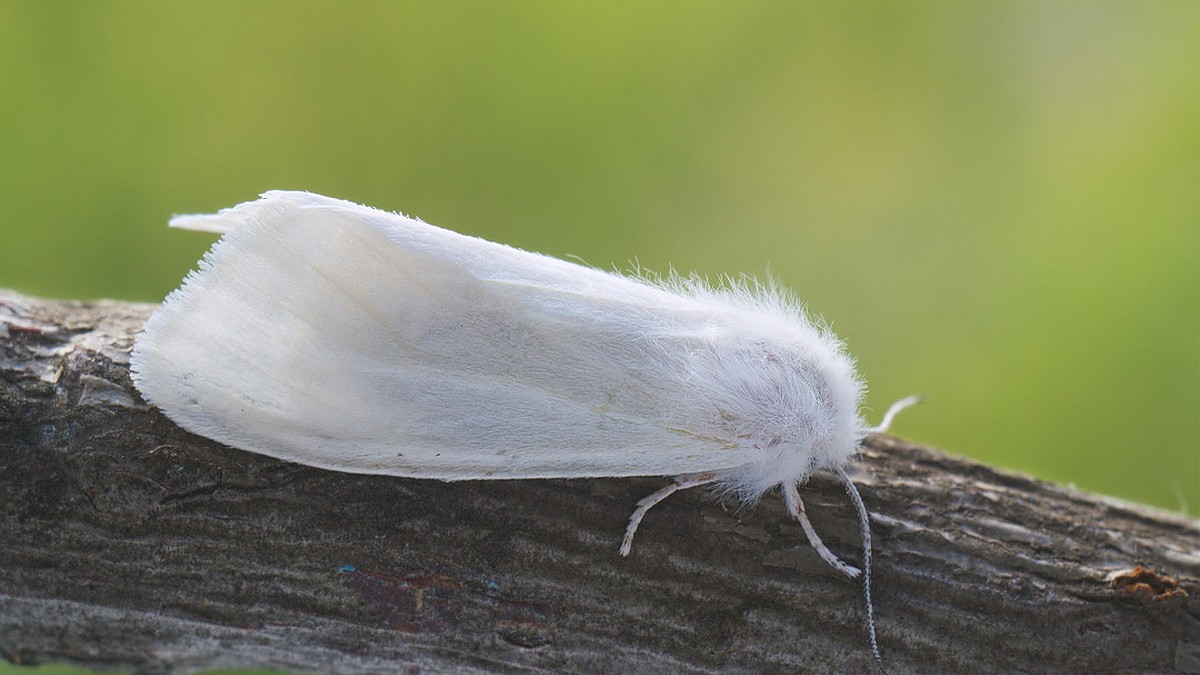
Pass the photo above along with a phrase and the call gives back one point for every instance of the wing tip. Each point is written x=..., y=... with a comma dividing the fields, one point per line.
x=227, y=219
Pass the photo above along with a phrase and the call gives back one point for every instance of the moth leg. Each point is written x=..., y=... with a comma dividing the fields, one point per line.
x=791, y=497
x=681, y=483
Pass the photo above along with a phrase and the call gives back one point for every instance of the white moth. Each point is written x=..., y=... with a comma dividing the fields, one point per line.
x=343, y=337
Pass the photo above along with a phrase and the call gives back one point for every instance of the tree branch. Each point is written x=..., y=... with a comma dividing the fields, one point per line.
x=128, y=543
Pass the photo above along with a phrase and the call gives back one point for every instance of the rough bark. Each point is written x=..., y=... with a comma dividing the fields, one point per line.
x=128, y=543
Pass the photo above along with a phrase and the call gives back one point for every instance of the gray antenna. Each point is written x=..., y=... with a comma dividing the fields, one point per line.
x=866, y=539
x=865, y=524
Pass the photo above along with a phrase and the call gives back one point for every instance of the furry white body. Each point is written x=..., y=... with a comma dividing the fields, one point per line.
x=344, y=337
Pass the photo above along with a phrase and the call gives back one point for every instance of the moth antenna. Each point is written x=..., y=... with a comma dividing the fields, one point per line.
x=681, y=483
x=864, y=522
x=892, y=411
x=791, y=497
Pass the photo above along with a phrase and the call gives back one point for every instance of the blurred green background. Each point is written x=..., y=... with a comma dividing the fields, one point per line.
x=996, y=204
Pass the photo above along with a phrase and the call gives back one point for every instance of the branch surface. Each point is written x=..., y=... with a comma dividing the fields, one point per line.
x=128, y=543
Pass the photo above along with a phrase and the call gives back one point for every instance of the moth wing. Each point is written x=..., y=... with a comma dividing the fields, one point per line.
x=348, y=338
